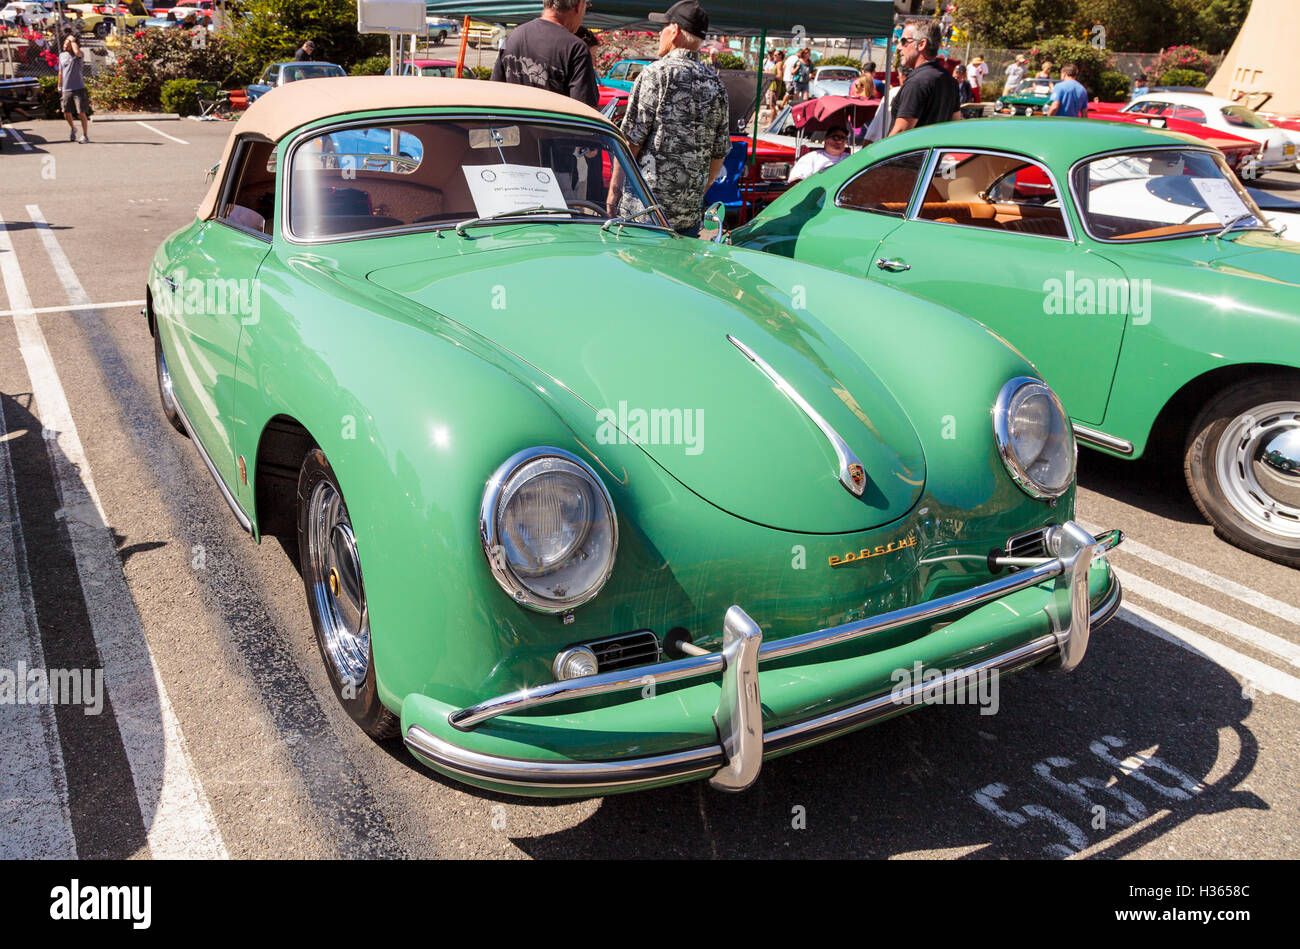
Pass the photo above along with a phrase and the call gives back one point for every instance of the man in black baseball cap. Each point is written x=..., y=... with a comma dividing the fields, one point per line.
x=676, y=122
x=687, y=14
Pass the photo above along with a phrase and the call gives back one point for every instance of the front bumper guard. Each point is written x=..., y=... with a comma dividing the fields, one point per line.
x=733, y=762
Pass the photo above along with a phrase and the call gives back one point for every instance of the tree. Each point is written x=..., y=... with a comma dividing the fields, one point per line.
x=274, y=29
x=1015, y=23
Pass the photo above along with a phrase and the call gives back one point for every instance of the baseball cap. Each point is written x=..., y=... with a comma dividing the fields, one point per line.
x=687, y=14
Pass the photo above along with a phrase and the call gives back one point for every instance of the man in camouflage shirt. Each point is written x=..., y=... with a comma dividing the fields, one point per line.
x=676, y=122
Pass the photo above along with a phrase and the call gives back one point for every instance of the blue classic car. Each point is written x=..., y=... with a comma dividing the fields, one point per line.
x=278, y=74
x=622, y=75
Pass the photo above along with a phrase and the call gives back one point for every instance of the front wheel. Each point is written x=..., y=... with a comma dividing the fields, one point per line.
x=1243, y=466
x=336, y=596
x=442, y=37
x=102, y=29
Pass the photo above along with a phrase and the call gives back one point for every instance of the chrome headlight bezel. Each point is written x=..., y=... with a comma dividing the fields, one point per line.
x=1002, y=436
x=499, y=489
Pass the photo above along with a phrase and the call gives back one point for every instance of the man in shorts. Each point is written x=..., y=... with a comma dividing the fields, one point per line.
x=72, y=89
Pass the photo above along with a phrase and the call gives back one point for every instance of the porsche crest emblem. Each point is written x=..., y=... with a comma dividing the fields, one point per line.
x=858, y=475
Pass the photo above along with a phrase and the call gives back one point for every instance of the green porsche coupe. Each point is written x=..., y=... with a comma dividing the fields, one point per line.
x=582, y=505
x=1128, y=264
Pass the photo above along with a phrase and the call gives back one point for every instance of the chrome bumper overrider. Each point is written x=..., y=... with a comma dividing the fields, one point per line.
x=733, y=762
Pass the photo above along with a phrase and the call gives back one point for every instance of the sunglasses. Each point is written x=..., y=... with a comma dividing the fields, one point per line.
x=903, y=41
x=837, y=138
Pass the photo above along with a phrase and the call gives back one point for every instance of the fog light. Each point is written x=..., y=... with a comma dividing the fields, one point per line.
x=574, y=663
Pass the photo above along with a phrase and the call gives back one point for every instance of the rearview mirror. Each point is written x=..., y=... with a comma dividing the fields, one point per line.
x=717, y=214
x=505, y=137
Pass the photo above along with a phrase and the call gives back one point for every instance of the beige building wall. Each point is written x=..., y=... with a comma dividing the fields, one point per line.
x=1264, y=57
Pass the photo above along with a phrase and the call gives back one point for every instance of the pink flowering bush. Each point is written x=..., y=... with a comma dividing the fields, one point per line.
x=1179, y=57
x=148, y=58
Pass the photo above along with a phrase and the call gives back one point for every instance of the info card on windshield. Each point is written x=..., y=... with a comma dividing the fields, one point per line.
x=498, y=189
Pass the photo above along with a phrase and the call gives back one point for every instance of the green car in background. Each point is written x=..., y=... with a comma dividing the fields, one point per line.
x=582, y=505
x=1031, y=98
x=1128, y=264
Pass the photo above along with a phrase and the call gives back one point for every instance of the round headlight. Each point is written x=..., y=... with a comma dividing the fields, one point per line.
x=548, y=529
x=1034, y=438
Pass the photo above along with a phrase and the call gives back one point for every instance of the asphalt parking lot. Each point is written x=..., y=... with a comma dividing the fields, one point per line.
x=224, y=738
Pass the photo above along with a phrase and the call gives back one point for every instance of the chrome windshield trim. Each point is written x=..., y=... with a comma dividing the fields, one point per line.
x=1183, y=147
x=694, y=666
x=1099, y=439
x=852, y=474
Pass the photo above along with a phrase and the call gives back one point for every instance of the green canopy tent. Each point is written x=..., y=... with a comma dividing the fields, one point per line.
x=852, y=19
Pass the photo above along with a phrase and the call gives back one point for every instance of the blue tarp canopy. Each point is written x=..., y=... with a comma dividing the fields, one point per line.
x=820, y=18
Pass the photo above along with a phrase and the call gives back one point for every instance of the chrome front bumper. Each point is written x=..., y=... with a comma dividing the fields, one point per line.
x=733, y=762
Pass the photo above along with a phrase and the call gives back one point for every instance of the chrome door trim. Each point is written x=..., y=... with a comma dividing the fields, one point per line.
x=235, y=509
x=852, y=473
x=1099, y=439
x=933, y=163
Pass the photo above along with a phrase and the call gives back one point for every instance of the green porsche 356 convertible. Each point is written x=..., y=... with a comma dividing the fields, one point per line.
x=582, y=505
x=1128, y=264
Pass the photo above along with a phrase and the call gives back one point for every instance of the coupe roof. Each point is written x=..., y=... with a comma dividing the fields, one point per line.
x=280, y=111
x=1184, y=98
x=1053, y=141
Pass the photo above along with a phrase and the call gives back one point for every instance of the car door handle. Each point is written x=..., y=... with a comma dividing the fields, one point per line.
x=893, y=266
x=171, y=284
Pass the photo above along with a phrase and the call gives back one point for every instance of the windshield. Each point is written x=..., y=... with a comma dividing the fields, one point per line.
x=442, y=72
x=837, y=75
x=294, y=73
x=1168, y=192
x=381, y=176
x=1242, y=117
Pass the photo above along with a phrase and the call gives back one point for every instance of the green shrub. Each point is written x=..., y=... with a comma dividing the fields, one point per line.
x=370, y=66
x=1113, y=87
x=481, y=72
x=49, y=97
x=840, y=61
x=1180, y=57
x=990, y=89
x=148, y=58
x=272, y=29
x=182, y=95
x=137, y=8
x=1090, y=60
x=730, y=61
x=1183, y=77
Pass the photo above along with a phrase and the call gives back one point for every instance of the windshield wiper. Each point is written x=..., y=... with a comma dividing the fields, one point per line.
x=501, y=215
x=632, y=219
x=1233, y=223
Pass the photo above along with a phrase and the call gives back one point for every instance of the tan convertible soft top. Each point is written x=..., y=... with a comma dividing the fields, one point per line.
x=284, y=109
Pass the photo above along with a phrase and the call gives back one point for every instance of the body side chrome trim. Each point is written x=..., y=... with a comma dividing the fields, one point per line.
x=852, y=473
x=1099, y=439
x=235, y=509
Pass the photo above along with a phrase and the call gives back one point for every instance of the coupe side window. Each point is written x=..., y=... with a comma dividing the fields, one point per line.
x=886, y=187
x=248, y=199
x=996, y=192
x=1189, y=114
x=619, y=71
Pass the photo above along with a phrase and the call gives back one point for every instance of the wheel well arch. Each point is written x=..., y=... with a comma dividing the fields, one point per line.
x=148, y=312
x=283, y=444
x=1174, y=422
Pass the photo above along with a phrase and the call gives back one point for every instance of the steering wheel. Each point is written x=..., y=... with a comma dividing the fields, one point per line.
x=1195, y=214
x=589, y=206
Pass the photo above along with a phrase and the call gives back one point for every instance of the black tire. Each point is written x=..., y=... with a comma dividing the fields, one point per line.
x=1233, y=491
x=165, y=394
x=102, y=29
x=442, y=37
x=330, y=598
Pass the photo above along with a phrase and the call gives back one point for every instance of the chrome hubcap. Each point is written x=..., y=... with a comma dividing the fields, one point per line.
x=337, y=587
x=1258, y=466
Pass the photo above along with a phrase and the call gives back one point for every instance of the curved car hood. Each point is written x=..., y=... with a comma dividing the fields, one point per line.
x=637, y=328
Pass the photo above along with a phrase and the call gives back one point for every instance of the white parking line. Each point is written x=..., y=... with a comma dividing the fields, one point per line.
x=174, y=808
x=1220, y=622
x=35, y=822
x=161, y=132
x=9, y=129
x=1207, y=579
x=116, y=305
x=1261, y=675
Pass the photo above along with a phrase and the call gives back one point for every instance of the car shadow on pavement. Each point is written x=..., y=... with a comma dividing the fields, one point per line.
x=1151, y=483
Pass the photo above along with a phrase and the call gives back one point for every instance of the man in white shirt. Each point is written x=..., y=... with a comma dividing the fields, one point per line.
x=1015, y=74
x=834, y=152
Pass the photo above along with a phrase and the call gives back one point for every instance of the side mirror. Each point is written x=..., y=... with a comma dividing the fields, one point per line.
x=212, y=172
x=717, y=214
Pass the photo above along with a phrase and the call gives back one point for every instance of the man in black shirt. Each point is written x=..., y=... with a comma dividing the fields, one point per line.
x=545, y=53
x=929, y=95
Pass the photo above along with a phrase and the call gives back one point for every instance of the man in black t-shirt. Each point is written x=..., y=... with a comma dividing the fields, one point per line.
x=545, y=53
x=929, y=95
